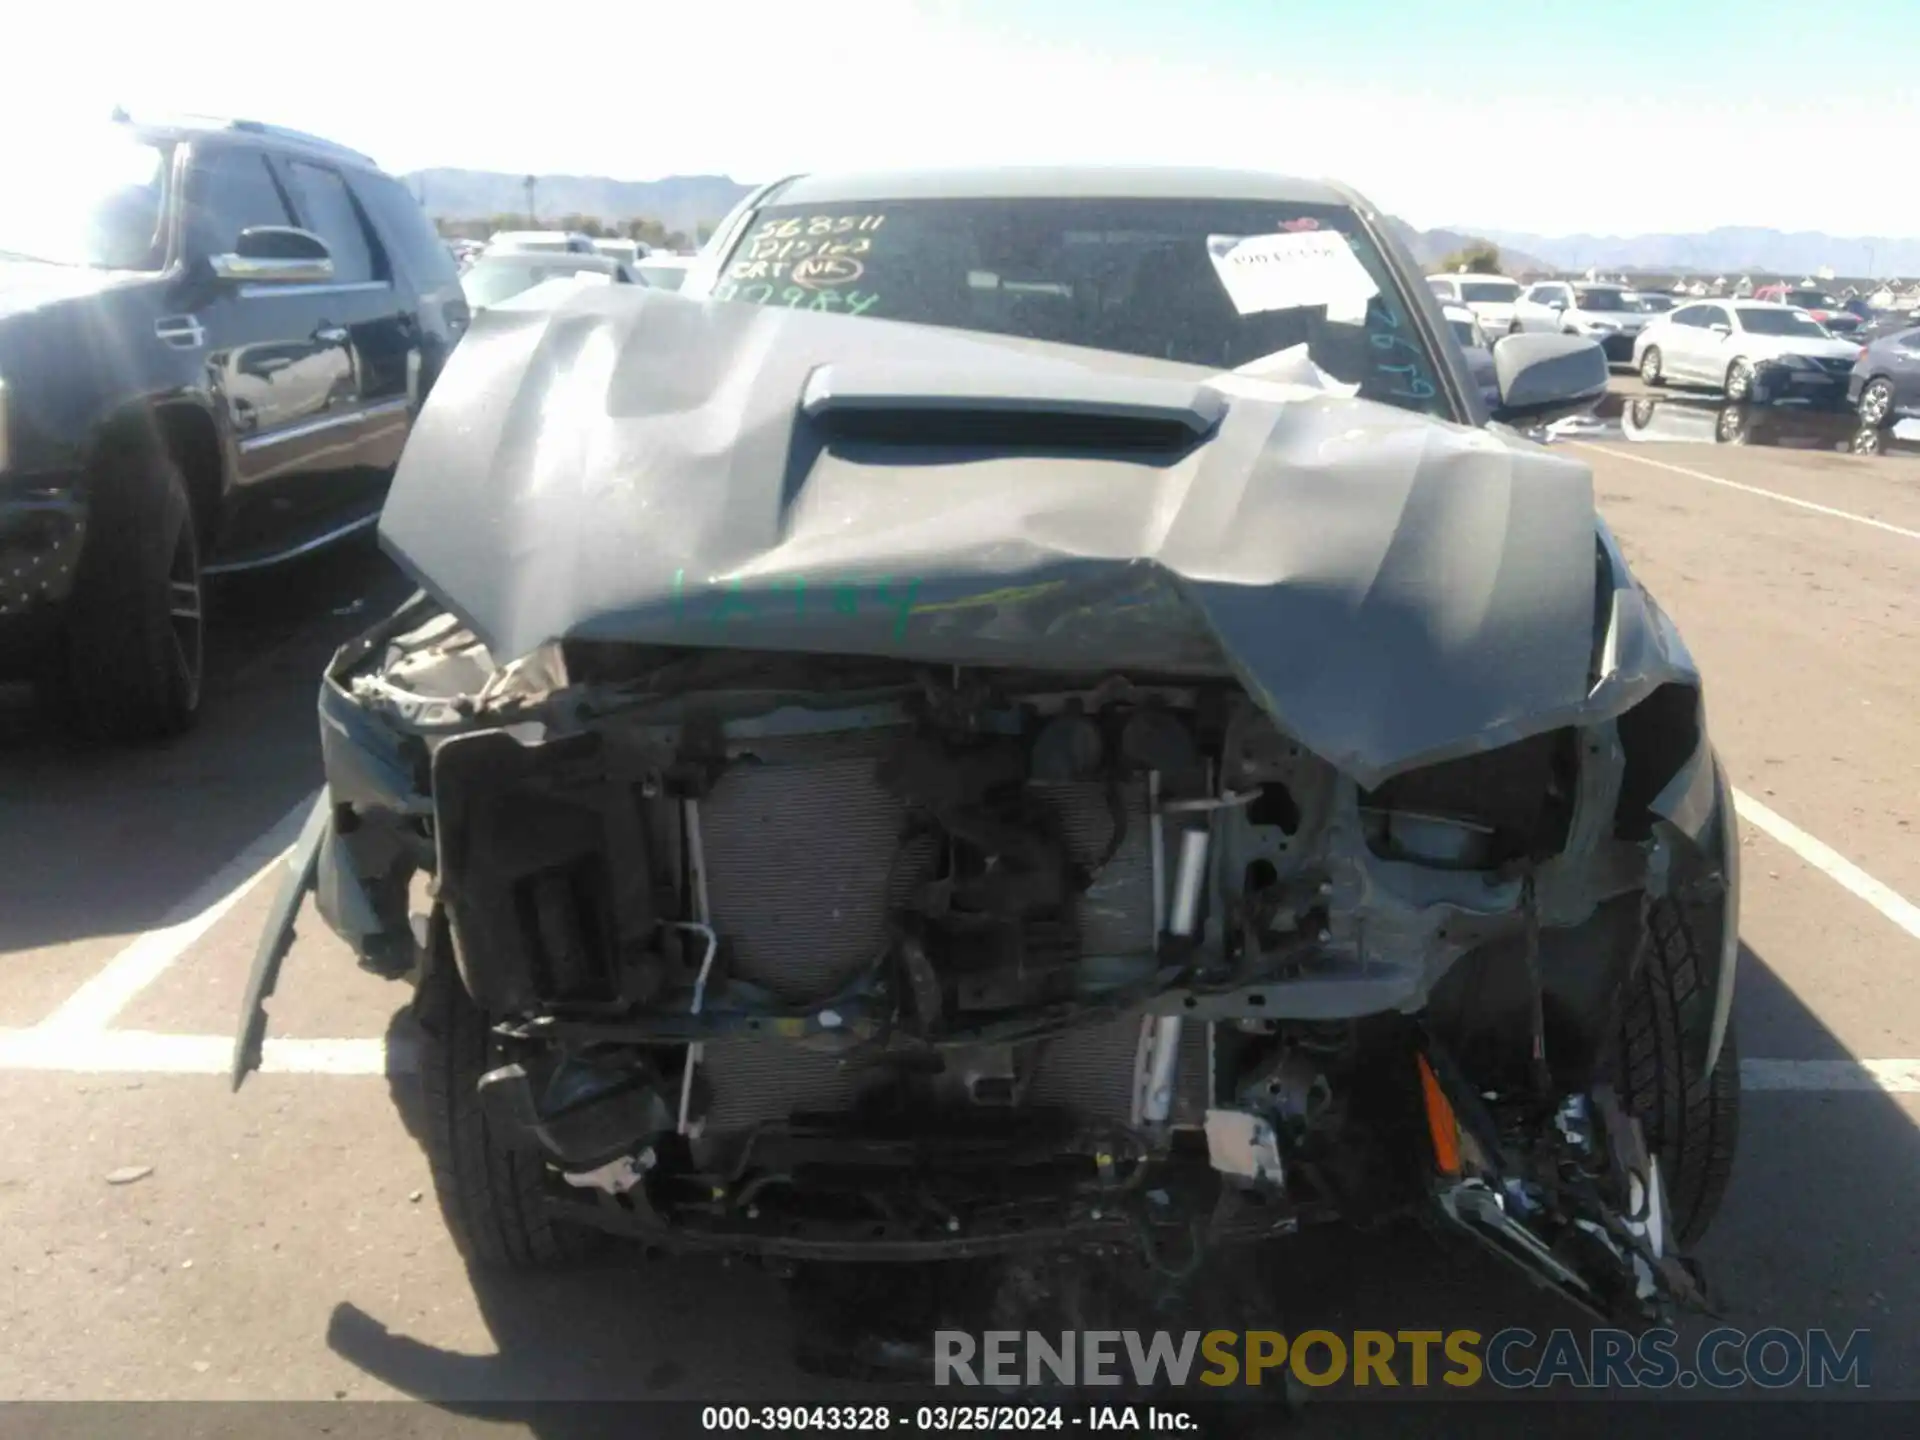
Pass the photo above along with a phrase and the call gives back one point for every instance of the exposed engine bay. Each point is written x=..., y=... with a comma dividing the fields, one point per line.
x=848, y=958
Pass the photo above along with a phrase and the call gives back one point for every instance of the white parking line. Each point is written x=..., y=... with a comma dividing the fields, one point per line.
x=1830, y=862
x=1750, y=489
x=91, y=1008
x=1891, y=1077
x=144, y=1052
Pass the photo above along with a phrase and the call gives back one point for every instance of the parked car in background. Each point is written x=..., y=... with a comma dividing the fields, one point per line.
x=1699, y=421
x=1826, y=309
x=214, y=337
x=1900, y=438
x=564, y=241
x=1489, y=297
x=1884, y=384
x=1605, y=313
x=496, y=277
x=1750, y=349
x=627, y=252
x=1890, y=322
x=1464, y=326
x=664, y=272
x=1654, y=302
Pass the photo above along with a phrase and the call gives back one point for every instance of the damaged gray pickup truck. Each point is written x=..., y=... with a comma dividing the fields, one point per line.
x=1032, y=711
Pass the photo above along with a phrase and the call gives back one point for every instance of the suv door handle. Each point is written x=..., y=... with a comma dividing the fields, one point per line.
x=331, y=335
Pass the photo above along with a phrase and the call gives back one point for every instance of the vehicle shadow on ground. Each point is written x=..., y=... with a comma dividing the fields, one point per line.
x=103, y=841
x=1786, y=1251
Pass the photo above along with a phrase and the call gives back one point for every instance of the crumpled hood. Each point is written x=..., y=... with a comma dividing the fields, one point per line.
x=633, y=465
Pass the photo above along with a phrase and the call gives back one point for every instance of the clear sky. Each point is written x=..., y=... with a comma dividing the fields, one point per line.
x=1613, y=116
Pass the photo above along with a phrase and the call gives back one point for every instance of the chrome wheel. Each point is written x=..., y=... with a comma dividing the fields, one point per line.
x=1739, y=380
x=1650, y=365
x=1876, y=402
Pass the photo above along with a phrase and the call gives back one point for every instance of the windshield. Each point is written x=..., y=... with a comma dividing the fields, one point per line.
x=1493, y=292
x=99, y=202
x=1205, y=282
x=1781, y=322
x=489, y=281
x=1601, y=298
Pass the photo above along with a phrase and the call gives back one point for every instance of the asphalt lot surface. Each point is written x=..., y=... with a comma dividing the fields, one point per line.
x=285, y=1243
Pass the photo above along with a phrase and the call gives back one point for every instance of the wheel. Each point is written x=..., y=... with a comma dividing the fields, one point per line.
x=489, y=1191
x=1650, y=366
x=1739, y=380
x=1876, y=403
x=133, y=656
x=1732, y=428
x=1691, y=1123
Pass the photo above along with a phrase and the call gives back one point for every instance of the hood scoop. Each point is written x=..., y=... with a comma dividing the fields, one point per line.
x=1040, y=410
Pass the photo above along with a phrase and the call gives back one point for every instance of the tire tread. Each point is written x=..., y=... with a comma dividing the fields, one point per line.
x=1693, y=1124
x=490, y=1192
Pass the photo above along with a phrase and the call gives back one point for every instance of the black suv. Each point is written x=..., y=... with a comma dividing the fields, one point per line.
x=211, y=354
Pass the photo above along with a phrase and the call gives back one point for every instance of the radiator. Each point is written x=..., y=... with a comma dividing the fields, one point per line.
x=800, y=851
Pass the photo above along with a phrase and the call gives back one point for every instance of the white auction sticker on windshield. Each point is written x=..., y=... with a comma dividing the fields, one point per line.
x=1291, y=270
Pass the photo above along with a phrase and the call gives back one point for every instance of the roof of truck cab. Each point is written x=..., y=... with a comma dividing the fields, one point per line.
x=1069, y=182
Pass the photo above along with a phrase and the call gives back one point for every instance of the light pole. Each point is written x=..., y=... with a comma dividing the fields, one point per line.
x=533, y=221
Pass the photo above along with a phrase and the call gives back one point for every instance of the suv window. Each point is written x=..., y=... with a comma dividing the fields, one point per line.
x=407, y=229
x=1715, y=315
x=230, y=189
x=1602, y=297
x=1692, y=315
x=330, y=213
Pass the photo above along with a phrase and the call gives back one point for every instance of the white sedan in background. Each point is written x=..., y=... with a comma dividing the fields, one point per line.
x=1489, y=297
x=1607, y=313
x=1750, y=349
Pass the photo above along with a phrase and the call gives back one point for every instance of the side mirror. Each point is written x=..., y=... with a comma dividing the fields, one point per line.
x=1719, y=329
x=1544, y=378
x=276, y=255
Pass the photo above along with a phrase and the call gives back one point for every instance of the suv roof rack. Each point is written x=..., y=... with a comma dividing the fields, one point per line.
x=297, y=137
x=246, y=127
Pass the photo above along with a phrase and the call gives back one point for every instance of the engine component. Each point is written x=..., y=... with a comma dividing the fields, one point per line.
x=1160, y=1066
x=583, y=1113
x=1069, y=747
x=1243, y=1145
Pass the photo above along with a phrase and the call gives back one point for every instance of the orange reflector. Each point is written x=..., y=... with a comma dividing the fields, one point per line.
x=1442, y=1124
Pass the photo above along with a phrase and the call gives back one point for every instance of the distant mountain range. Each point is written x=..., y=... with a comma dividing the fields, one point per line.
x=685, y=202
x=1430, y=247
x=1730, y=250
x=679, y=202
